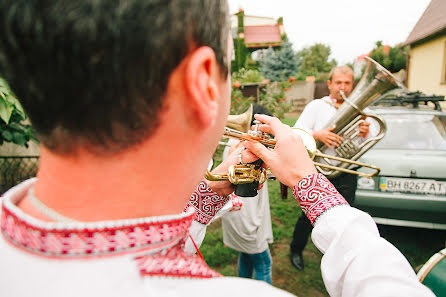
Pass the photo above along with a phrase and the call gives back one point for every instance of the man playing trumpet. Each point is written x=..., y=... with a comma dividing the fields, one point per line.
x=119, y=93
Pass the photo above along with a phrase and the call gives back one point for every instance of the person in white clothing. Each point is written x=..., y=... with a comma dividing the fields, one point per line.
x=314, y=119
x=249, y=229
x=119, y=93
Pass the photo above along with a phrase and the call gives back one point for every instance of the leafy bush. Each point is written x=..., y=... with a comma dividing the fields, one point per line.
x=239, y=103
x=12, y=119
x=273, y=98
x=244, y=76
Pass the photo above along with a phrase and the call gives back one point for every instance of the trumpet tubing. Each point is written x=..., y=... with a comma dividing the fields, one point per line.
x=246, y=173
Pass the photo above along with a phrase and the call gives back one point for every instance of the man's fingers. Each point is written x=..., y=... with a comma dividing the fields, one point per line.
x=264, y=128
x=335, y=138
x=258, y=150
x=234, y=147
x=276, y=126
x=248, y=157
x=328, y=144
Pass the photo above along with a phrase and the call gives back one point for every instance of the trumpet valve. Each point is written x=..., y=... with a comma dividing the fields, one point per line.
x=246, y=173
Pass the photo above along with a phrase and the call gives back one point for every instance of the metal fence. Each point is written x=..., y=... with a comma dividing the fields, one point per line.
x=15, y=169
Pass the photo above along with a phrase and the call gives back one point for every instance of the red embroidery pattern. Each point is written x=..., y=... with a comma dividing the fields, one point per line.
x=92, y=239
x=175, y=262
x=316, y=194
x=206, y=203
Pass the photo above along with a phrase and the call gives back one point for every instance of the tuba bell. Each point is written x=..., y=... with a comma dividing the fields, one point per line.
x=375, y=81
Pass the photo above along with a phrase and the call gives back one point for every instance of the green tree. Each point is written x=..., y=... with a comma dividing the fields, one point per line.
x=12, y=117
x=279, y=65
x=391, y=58
x=314, y=60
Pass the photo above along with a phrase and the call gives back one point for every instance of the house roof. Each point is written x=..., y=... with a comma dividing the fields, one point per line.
x=431, y=22
x=261, y=36
x=362, y=57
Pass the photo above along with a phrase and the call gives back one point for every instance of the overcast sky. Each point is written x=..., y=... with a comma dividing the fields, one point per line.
x=350, y=27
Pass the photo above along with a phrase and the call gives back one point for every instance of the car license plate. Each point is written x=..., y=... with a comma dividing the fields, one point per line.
x=412, y=185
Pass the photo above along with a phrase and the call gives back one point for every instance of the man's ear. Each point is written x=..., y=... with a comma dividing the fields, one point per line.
x=203, y=85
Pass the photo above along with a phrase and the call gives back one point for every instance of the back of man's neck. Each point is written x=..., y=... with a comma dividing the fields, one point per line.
x=89, y=188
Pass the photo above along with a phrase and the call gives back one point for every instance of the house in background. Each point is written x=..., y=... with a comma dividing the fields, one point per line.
x=254, y=34
x=427, y=56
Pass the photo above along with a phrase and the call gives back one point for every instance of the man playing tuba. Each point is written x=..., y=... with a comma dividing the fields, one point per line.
x=314, y=118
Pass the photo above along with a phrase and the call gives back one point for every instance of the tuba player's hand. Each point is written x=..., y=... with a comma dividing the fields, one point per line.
x=327, y=137
x=364, y=128
x=289, y=160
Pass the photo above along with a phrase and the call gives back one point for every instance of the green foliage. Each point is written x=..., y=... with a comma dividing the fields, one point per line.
x=244, y=76
x=392, y=58
x=314, y=60
x=273, y=98
x=250, y=63
x=12, y=117
x=281, y=64
x=239, y=103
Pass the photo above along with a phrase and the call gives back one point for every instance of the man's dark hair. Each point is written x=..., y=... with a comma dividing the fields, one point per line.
x=94, y=72
x=259, y=109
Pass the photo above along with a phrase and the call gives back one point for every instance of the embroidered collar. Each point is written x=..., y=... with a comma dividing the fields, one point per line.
x=156, y=243
x=75, y=239
x=332, y=101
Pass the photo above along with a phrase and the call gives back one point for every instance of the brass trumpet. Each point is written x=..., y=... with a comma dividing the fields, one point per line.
x=247, y=173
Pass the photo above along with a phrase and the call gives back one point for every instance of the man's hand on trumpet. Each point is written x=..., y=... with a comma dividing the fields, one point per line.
x=237, y=155
x=289, y=160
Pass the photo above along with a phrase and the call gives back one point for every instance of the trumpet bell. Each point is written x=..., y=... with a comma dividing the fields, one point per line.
x=241, y=122
x=308, y=141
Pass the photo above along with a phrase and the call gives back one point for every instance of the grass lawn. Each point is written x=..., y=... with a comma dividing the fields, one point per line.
x=418, y=245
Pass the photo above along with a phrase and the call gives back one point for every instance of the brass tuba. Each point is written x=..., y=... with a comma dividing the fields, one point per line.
x=375, y=81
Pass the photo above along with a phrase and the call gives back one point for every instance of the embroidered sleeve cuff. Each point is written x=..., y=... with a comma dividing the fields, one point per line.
x=316, y=195
x=206, y=203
